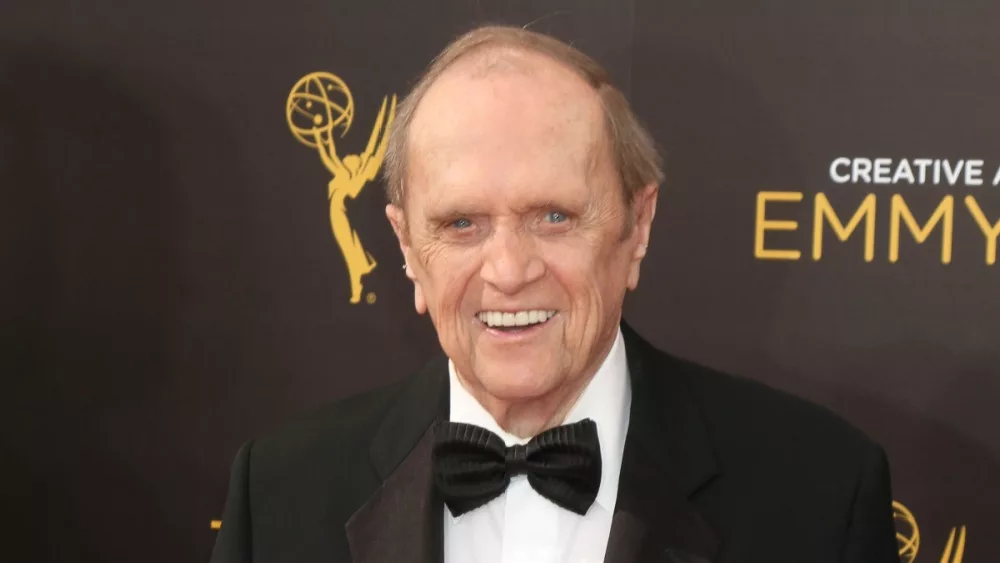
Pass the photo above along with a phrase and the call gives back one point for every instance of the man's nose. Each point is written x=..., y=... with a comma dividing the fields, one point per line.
x=510, y=261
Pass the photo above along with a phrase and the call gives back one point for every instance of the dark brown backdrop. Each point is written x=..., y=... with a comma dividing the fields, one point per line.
x=170, y=285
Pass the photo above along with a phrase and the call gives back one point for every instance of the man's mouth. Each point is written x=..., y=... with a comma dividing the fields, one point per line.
x=514, y=320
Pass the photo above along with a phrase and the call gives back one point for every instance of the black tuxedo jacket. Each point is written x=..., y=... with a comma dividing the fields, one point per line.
x=716, y=469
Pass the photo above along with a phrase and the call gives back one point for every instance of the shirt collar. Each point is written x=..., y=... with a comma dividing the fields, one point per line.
x=606, y=400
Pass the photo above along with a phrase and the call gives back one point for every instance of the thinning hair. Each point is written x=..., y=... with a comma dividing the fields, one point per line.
x=635, y=156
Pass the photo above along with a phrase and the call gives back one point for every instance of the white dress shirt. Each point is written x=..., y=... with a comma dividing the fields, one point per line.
x=521, y=526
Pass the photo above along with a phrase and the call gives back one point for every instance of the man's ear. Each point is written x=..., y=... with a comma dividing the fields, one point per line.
x=397, y=218
x=645, y=210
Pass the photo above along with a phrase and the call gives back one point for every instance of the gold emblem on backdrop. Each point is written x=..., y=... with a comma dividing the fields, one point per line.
x=908, y=537
x=319, y=107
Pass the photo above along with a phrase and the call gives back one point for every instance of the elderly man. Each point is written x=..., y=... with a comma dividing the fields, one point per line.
x=522, y=190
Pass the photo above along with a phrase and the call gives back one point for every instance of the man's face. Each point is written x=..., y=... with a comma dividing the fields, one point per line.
x=513, y=226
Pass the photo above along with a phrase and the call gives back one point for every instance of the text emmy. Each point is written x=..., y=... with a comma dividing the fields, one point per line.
x=925, y=173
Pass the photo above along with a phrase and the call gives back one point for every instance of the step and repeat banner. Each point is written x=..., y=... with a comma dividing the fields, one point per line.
x=185, y=267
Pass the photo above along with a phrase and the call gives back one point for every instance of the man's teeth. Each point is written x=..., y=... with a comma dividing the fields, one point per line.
x=520, y=318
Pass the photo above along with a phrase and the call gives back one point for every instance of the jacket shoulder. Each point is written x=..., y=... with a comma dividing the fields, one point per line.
x=757, y=426
x=329, y=435
x=308, y=476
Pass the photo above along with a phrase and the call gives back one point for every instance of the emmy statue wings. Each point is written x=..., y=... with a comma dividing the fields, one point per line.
x=719, y=467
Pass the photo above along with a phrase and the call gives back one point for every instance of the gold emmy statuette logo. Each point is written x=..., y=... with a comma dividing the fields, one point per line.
x=318, y=106
x=908, y=537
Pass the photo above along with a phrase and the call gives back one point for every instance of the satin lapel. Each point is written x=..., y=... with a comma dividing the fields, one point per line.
x=403, y=521
x=668, y=458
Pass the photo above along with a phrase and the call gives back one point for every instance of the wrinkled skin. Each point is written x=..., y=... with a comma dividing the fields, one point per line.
x=513, y=203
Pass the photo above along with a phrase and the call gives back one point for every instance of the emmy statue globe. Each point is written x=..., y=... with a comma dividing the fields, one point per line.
x=318, y=107
x=907, y=532
x=908, y=538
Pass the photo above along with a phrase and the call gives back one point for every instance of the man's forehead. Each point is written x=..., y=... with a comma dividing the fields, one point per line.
x=505, y=91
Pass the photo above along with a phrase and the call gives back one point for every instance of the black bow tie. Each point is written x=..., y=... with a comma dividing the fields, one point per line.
x=472, y=466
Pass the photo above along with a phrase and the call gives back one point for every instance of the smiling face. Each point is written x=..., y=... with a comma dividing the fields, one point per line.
x=513, y=226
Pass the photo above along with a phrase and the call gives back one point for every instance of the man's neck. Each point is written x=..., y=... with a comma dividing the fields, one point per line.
x=531, y=417
x=526, y=419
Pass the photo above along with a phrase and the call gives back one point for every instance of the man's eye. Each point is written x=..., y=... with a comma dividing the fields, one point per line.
x=461, y=223
x=555, y=217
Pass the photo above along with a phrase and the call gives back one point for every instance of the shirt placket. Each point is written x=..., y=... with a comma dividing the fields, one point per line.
x=530, y=526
